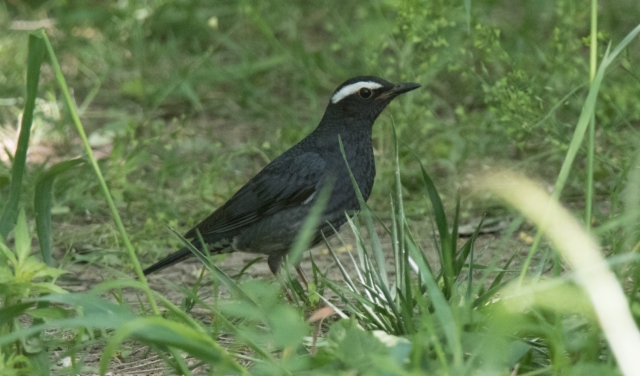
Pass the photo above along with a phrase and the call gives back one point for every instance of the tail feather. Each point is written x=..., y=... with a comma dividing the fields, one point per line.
x=173, y=258
x=215, y=247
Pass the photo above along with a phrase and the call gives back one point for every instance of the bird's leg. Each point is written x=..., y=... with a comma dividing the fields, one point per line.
x=303, y=277
x=287, y=293
x=274, y=262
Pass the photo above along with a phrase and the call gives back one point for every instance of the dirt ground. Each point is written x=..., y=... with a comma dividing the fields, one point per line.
x=136, y=359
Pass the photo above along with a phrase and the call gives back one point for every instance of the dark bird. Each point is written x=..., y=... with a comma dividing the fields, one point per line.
x=265, y=215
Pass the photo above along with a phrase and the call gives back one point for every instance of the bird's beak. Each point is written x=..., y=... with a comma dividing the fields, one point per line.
x=399, y=89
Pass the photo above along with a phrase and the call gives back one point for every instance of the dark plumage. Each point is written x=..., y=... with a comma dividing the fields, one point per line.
x=266, y=214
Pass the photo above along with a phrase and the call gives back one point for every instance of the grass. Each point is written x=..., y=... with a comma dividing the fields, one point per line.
x=178, y=103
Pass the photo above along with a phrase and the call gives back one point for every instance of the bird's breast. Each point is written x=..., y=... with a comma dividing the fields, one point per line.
x=359, y=155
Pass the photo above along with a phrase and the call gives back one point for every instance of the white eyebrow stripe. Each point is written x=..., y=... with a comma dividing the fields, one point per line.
x=353, y=88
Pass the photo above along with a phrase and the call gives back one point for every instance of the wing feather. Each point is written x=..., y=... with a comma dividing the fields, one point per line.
x=287, y=181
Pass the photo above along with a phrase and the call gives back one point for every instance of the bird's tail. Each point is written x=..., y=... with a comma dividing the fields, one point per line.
x=173, y=258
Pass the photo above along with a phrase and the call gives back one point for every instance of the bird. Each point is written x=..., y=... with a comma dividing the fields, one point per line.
x=266, y=214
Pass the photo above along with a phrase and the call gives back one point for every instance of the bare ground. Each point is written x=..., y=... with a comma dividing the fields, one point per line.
x=137, y=359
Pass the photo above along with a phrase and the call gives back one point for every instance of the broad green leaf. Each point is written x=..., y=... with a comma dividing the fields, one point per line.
x=34, y=60
x=42, y=204
x=23, y=241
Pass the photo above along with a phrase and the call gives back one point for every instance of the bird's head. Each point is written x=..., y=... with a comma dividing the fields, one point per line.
x=364, y=98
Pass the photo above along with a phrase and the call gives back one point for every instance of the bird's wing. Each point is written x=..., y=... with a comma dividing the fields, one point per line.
x=285, y=182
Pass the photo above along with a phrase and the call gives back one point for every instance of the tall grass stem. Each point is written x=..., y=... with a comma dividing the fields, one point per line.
x=103, y=185
x=593, y=48
x=585, y=117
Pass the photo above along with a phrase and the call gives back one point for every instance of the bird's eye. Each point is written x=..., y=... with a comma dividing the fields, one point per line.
x=364, y=93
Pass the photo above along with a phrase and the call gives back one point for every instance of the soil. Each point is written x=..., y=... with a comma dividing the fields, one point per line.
x=137, y=359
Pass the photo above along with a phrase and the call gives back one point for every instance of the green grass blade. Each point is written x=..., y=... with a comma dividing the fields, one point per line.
x=405, y=302
x=470, y=275
x=22, y=240
x=12, y=312
x=343, y=270
x=414, y=243
x=228, y=324
x=94, y=163
x=93, y=312
x=632, y=234
x=591, y=143
x=467, y=10
x=375, y=300
x=623, y=219
x=303, y=240
x=466, y=249
x=246, y=267
x=371, y=312
x=397, y=255
x=163, y=333
x=376, y=288
x=454, y=226
x=42, y=204
x=179, y=314
x=585, y=117
x=402, y=273
x=442, y=310
x=438, y=208
x=495, y=286
x=219, y=274
x=34, y=61
x=373, y=238
x=446, y=243
x=451, y=256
